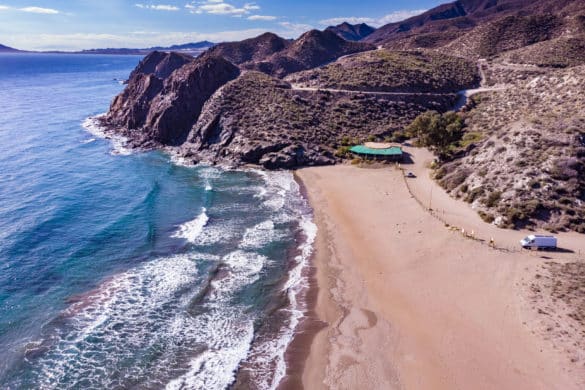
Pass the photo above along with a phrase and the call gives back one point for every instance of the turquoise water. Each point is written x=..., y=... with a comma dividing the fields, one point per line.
x=126, y=270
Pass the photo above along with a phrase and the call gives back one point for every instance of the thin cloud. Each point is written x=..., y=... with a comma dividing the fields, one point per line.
x=262, y=17
x=39, y=10
x=396, y=16
x=294, y=29
x=158, y=7
x=32, y=10
x=218, y=7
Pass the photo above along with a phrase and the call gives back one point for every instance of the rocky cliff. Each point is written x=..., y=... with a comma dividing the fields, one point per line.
x=164, y=97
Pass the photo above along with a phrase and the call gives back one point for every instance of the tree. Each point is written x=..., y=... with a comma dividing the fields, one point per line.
x=437, y=131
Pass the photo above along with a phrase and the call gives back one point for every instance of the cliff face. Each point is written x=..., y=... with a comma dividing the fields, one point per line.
x=161, y=110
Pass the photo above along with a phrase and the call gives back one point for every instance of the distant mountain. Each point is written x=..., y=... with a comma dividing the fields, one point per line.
x=186, y=46
x=352, y=32
x=6, y=49
x=195, y=48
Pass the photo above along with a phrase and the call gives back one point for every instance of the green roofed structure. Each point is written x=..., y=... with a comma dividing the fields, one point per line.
x=378, y=151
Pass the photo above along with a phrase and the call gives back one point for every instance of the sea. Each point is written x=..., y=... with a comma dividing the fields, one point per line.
x=124, y=269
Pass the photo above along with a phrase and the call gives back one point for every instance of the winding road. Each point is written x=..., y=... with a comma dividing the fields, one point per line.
x=461, y=101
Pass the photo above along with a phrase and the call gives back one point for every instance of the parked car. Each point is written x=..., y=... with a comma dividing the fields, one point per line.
x=539, y=242
x=411, y=175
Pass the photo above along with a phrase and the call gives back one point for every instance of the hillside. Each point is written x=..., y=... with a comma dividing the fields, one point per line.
x=278, y=57
x=448, y=22
x=352, y=32
x=528, y=166
x=557, y=53
x=258, y=119
x=390, y=71
x=507, y=33
x=255, y=118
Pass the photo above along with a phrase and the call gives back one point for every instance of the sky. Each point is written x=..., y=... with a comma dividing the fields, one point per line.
x=85, y=24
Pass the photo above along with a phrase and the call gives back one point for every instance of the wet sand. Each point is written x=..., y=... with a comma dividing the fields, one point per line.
x=409, y=303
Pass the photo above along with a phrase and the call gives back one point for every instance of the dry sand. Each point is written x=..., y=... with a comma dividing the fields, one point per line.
x=409, y=303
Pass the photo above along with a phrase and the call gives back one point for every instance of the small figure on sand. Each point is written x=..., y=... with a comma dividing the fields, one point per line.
x=492, y=243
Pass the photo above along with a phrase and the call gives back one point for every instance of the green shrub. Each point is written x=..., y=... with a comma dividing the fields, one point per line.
x=342, y=152
x=474, y=194
x=493, y=199
x=487, y=217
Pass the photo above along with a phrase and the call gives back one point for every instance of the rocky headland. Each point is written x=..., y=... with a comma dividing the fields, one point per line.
x=280, y=103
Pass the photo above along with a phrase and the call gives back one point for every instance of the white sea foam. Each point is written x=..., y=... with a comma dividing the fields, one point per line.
x=192, y=229
x=281, y=194
x=259, y=235
x=130, y=311
x=146, y=309
x=119, y=143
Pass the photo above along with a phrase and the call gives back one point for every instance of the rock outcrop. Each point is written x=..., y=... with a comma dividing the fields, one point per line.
x=161, y=64
x=161, y=110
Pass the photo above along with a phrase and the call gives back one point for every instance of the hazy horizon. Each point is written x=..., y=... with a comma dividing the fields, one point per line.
x=70, y=26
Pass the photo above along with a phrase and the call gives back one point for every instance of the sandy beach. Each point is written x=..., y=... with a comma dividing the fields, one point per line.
x=409, y=303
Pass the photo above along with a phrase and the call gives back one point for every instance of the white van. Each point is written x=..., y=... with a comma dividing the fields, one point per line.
x=539, y=242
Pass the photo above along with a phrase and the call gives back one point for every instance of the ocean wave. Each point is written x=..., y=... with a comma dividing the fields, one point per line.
x=118, y=142
x=102, y=338
x=192, y=229
x=282, y=194
x=260, y=235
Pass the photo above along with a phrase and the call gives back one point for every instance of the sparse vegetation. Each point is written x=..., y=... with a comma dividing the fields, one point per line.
x=388, y=71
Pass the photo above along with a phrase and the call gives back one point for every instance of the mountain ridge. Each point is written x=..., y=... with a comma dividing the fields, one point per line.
x=352, y=32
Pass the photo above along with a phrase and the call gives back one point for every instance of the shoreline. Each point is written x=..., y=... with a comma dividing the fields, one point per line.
x=410, y=304
x=297, y=352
